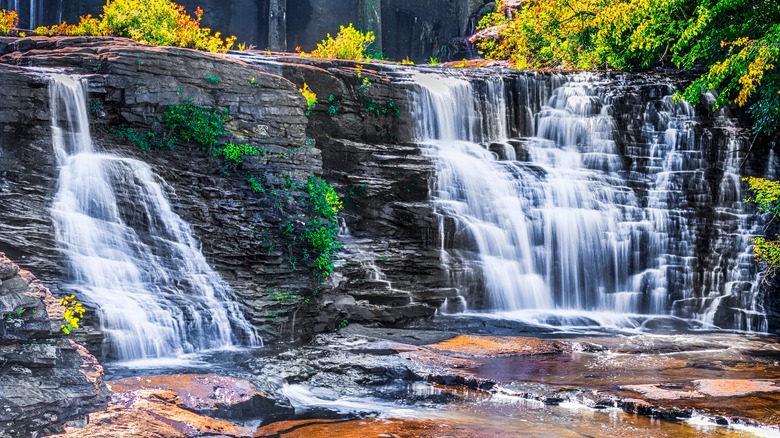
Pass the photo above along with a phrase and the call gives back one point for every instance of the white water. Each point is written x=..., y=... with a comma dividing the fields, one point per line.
x=558, y=220
x=128, y=253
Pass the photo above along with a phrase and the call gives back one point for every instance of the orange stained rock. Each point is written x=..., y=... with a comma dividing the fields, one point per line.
x=491, y=346
x=198, y=391
x=153, y=414
x=373, y=427
x=734, y=387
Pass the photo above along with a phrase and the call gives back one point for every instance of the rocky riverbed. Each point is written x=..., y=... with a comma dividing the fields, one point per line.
x=369, y=381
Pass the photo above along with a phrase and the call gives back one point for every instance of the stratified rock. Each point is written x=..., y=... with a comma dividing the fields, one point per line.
x=47, y=379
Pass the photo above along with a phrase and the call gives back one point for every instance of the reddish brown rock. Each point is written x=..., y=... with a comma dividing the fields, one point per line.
x=208, y=394
x=734, y=387
x=179, y=405
x=492, y=346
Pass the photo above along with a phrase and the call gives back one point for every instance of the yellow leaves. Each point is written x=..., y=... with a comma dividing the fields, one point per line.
x=156, y=22
x=74, y=311
x=350, y=43
x=311, y=97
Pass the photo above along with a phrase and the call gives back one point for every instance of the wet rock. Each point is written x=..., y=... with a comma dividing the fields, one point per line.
x=153, y=413
x=492, y=346
x=208, y=394
x=734, y=387
x=47, y=379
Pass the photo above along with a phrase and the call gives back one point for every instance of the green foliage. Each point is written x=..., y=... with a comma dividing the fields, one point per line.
x=18, y=313
x=235, y=153
x=372, y=106
x=156, y=22
x=8, y=22
x=343, y=323
x=350, y=43
x=333, y=107
x=213, y=79
x=324, y=204
x=148, y=141
x=433, y=61
x=196, y=124
x=255, y=185
x=736, y=41
x=74, y=311
x=767, y=197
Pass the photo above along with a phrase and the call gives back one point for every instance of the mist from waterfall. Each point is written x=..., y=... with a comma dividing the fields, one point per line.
x=128, y=253
x=553, y=217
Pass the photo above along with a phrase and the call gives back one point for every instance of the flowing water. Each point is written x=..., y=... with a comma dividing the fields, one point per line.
x=128, y=253
x=556, y=212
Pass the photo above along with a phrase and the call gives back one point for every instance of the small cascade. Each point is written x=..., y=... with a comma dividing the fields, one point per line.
x=367, y=280
x=128, y=252
x=543, y=208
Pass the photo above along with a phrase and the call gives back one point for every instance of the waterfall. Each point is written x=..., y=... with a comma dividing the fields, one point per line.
x=128, y=253
x=544, y=209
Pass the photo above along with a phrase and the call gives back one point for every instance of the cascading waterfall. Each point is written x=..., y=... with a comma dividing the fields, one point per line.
x=128, y=252
x=561, y=219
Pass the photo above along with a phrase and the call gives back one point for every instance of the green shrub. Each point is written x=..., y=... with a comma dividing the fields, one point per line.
x=235, y=153
x=196, y=124
x=767, y=197
x=350, y=43
x=324, y=205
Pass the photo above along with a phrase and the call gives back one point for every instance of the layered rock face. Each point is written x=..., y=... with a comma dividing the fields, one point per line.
x=47, y=379
x=361, y=136
x=131, y=86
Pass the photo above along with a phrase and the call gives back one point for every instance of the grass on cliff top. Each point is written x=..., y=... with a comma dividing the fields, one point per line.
x=155, y=22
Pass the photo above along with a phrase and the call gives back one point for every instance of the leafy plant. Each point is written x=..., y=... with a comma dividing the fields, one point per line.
x=766, y=194
x=156, y=22
x=74, y=311
x=213, y=79
x=255, y=185
x=333, y=108
x=235, y=153
x=196, y=124
x=8, y=22
x=311, y=97
x=321, y=231
x=349, y=43
x=148, y=141
x=407, y=61
x=433, y=61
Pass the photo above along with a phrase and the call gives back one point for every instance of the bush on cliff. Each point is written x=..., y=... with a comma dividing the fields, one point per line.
x=156, y=22
x=766, y=194
x=8, y=21
x=350, y=43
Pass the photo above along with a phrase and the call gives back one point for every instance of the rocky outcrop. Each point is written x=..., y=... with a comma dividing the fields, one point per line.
x=47, y=379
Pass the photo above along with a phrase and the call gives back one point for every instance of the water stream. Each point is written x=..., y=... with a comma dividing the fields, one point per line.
x=556, y=214
x=128, y=253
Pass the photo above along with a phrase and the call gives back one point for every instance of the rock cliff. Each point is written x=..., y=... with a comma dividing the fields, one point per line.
x=47, y=378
